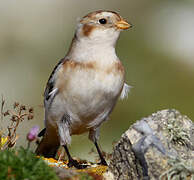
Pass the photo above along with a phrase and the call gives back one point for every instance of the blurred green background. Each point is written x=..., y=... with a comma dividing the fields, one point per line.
x=158, y=55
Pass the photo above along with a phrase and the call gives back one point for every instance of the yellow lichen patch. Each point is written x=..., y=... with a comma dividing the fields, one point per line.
x=55, y=163
x=91, y=169
x=98, y=170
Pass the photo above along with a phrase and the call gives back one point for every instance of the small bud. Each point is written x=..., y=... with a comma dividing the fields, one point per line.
x=14, y=118
x=16, y=104
x=6, y=113
x=22, y=107
x=30, y=116
x=32, y=135
x=31, y=110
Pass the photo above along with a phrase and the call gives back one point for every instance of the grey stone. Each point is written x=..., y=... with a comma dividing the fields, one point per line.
x=160, y=146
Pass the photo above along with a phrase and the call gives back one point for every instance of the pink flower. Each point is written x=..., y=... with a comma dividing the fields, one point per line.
x=32, y=135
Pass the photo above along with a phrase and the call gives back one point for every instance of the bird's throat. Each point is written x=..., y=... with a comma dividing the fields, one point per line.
x=85, y=50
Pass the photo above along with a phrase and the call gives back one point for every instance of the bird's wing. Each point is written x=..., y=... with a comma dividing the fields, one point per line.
x=50, y=90
x=125, y=91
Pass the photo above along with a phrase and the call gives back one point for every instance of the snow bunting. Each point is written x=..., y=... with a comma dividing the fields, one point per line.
x=85, y=85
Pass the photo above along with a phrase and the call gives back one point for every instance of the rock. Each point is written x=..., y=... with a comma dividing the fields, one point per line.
x=160, y=146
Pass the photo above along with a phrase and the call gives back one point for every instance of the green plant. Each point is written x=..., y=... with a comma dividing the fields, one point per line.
x=22, y=164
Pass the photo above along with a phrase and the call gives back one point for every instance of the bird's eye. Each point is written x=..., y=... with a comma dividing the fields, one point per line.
x=102, y=21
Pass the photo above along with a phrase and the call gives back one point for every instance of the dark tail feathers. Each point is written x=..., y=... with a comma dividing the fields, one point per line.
x=48, y=146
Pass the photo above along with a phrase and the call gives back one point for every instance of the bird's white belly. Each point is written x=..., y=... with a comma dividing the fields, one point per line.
x=89, y=96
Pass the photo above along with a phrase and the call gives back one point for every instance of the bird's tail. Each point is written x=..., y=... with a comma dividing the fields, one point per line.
x=48, y=146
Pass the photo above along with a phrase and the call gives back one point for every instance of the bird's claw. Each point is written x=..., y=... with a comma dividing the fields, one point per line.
x=76, y=164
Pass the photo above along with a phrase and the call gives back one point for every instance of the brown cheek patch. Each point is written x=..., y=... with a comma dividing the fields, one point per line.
x=87, y=29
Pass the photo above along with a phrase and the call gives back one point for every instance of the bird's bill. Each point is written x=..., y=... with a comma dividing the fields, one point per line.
x=122, y=24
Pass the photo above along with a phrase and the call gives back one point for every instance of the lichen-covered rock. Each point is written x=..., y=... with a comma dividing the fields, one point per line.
x=160, y=146
x=124, y=164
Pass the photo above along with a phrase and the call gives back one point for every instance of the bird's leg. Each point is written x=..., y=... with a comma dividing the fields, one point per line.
x=65, y=138
x=103, y=161
x=72, y=162
x=94, y=136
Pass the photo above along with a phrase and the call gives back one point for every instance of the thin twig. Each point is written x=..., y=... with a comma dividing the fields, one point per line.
x=2, y=106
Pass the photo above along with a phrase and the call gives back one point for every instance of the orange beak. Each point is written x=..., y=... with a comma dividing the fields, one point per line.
x=122, y=24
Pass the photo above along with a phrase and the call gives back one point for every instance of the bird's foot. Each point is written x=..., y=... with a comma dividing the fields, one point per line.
x=76, y=164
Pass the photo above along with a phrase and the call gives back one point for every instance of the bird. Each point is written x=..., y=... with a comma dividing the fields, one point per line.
x=85, y=85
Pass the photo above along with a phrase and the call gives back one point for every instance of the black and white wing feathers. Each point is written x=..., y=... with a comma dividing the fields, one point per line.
x=50, y=90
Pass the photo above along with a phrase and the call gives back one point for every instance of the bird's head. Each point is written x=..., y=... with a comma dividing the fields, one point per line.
x=101, y=26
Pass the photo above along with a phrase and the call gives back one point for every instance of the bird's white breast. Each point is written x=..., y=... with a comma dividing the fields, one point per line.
x=89, y=92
